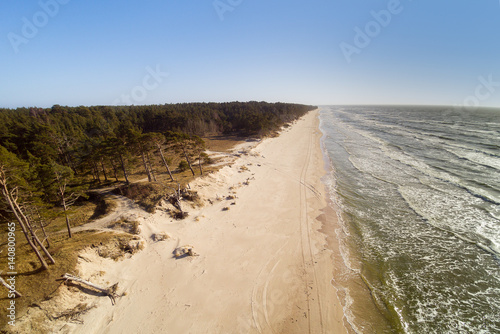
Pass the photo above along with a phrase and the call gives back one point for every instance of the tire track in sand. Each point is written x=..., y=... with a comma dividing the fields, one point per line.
x=259, y=302
x=314, y=308
x=260, y=311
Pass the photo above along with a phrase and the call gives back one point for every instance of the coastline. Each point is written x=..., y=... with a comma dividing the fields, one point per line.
x=263, y=264
x=361, y=313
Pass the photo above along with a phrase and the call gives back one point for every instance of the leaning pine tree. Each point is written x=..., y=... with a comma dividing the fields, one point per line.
x=63, y=176
x=187, y=146
x=13, y=173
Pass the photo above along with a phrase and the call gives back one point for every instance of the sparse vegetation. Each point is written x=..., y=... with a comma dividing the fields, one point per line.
x=105, y=205
x=191, y=196
x=184, y=251
x=126, y=225
x=147, y=195
x=119, y=246
x=160, y=236
x=183, y=166
x=66, y=251
x=179, y=215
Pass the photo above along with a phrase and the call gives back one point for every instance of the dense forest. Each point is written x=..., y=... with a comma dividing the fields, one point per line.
x=69, y=135
x=49, y=158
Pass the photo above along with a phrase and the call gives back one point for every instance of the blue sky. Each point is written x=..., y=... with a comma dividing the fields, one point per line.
x=103, y=52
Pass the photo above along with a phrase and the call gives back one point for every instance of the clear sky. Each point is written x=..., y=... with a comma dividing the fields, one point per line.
x=89, y=52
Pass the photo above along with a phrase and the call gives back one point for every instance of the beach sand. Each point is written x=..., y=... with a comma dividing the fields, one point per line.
x=263, y=264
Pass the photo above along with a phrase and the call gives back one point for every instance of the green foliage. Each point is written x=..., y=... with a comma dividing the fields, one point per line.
x=15, y=174
x=183, y=166
x=206, y=158
x=44, y=148
x=16, y=170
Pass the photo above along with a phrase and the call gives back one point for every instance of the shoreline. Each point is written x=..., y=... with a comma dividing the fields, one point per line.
x=263, y=266
x=361, y=311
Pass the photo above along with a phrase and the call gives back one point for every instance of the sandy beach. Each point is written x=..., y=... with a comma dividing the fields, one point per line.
x=263, y=264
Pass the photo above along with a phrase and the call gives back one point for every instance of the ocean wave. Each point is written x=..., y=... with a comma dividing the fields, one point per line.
x=454, y=214
x=479, y=157
x=419, y=199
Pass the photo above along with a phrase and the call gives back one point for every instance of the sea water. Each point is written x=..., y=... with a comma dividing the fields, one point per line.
x=417, y=190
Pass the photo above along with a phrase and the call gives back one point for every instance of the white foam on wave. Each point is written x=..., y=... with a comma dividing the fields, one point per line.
x=388, y=180
x=456, y=213
x=476, y=156
x=342, y=233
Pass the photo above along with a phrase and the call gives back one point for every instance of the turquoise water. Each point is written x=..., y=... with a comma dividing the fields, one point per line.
x=418, y=190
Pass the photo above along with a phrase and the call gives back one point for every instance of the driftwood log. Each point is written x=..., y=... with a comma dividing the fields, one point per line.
x=110, y=291
x=5, y=284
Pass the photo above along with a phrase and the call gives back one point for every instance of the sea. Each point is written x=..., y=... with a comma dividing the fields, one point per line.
x=417, y=194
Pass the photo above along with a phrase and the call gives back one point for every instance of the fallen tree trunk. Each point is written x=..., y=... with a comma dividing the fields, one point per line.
x=110, y=292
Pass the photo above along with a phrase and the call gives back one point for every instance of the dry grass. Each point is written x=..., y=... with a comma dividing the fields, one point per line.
x=79, y=214
x=119, y=247
x=223, y=143
x=74, y=313
x=161, y=236
x=126, y=225
x=149, y=194
x=36, y=285
x=104, y=206
x=146, y=194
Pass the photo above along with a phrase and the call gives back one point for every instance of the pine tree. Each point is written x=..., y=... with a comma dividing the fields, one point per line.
x=14, y=188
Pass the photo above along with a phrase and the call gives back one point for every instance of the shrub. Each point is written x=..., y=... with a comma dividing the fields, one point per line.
x=183, y=166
